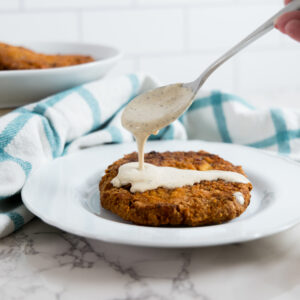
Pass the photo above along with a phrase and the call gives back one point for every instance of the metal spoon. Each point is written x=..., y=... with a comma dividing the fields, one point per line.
x=157, y=108
x=260, y=31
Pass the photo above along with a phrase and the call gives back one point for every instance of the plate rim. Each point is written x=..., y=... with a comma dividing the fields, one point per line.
x=158, y=244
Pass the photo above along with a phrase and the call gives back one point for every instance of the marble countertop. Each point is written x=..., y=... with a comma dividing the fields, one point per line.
x=42, y=262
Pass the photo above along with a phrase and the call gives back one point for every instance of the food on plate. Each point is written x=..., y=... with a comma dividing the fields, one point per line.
x=20, y=58
x=202, y=203
x=170, y=188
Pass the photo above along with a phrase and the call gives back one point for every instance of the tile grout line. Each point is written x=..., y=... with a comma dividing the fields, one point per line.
x=134, y=5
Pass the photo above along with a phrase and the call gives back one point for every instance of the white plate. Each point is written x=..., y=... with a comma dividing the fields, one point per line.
x=19, y=87
x=65, y=194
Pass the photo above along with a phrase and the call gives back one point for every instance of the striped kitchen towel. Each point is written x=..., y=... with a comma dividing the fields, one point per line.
x=89, y=115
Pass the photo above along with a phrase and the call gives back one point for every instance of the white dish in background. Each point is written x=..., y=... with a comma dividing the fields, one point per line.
x=65, y=194
x=19, y=87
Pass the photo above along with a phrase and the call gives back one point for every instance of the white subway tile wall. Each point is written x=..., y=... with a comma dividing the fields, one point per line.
x=73, y=4
x=44, y=26
x=172, y=39
x=218, y=28
x=153, y=31
x=6, y=5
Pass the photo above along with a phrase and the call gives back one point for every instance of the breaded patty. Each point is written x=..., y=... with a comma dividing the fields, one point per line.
x=204, y=203
x=20, y=58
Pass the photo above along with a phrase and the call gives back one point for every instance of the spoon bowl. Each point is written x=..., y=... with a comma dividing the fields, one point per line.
x=157, y=108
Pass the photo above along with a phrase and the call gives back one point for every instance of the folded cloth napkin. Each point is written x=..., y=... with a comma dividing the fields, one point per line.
x=89, y=115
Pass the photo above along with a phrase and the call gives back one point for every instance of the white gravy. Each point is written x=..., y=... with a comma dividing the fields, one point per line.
x=152, y=177
x=239, y=197
x=145, y=115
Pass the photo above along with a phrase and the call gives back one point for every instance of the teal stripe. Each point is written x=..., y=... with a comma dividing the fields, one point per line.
x=114, y=131
x=282, y=134
x=50, y=132
x=116, y=136
x=66, y=149
x=93, y=104
x=8, y=134
x=200, y=103
x=182, y=118
x=25, y=165
x=207, y=101
x=12, y=129
x=294, y=134
x=41, y=107
x=273, y=140
x=169, y=135
x=16, y=218
x=52, y=137
x=135, y=84
x=268, y=142
x=216, y=101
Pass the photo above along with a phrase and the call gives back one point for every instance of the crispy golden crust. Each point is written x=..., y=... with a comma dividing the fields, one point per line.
x=208, y=202
x=19, y=58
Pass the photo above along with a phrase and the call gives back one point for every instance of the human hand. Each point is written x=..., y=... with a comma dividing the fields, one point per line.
x=289, y=23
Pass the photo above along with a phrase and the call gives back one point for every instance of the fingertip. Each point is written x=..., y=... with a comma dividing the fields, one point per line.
x=292, y=28
x=282, y=21
x=279, y=25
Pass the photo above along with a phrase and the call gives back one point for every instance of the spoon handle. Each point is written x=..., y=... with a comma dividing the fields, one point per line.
x=260, y=31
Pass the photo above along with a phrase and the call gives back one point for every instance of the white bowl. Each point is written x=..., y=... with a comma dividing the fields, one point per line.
x=19, y=87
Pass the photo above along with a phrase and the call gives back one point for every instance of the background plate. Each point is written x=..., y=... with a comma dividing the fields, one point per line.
x=19, y=87
x=65, y=194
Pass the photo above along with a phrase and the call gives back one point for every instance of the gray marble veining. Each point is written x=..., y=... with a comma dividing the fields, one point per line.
x=42, y=262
